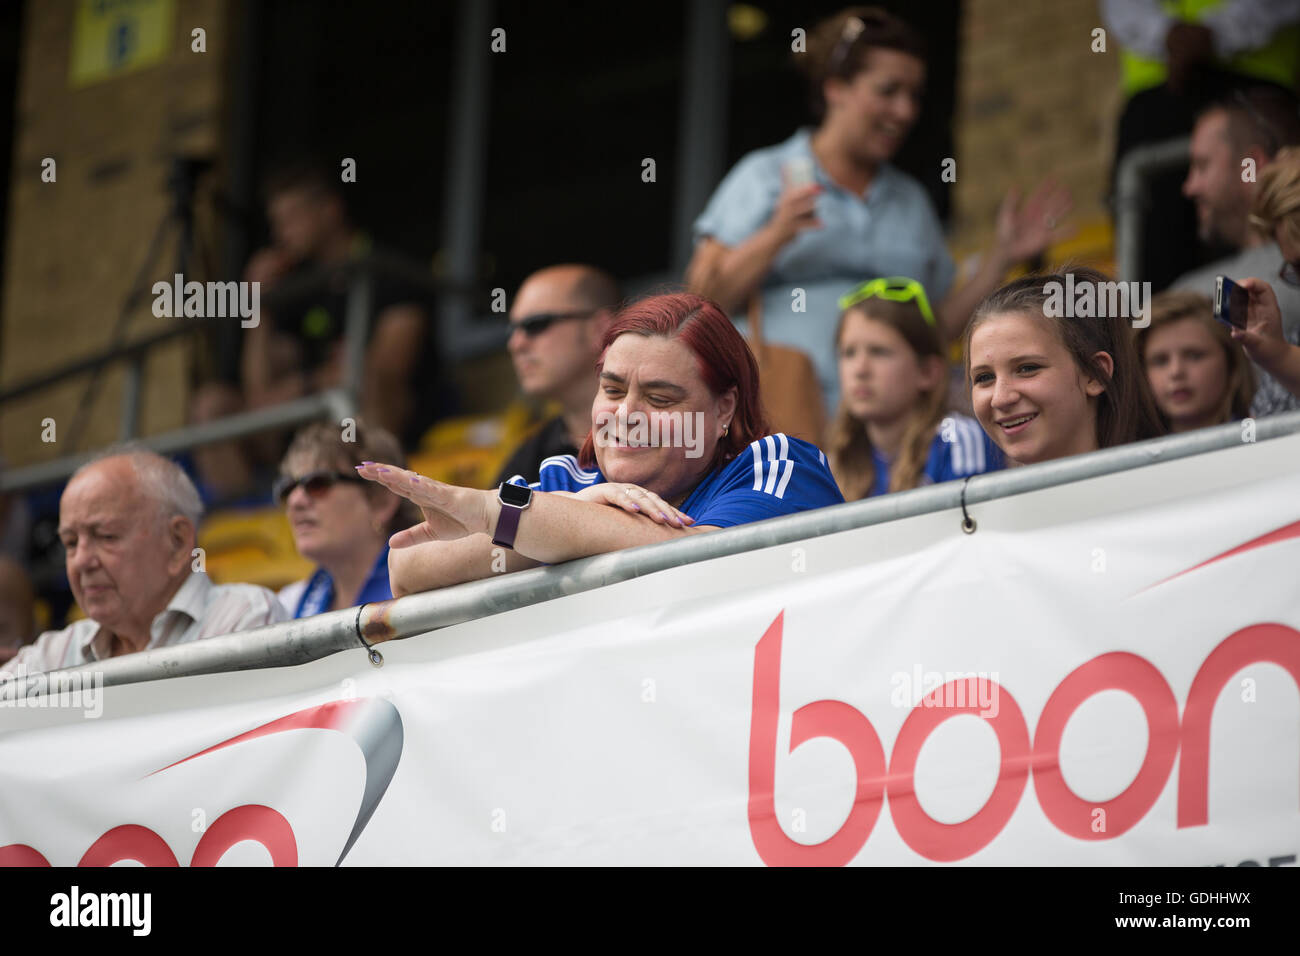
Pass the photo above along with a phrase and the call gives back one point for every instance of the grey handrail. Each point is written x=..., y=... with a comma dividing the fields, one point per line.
x=1132, y=198
x=335, y=403
x=360, y=275
x=297, y=642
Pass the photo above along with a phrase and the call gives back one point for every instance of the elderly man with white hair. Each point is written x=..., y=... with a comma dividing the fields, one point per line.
x=128, y=522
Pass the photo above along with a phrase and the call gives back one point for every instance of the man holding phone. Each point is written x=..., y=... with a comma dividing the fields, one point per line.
x=1249, y=125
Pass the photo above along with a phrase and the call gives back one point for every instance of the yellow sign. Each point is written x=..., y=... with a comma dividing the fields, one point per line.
x=114, y=37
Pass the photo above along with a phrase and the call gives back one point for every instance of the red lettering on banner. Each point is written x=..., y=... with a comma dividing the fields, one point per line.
x=954, y=841
x=1131, y=673
x=824, y=718
x=250, y=822
x=20, y=854
x=129, y=842
x=1257, y=644
x=1135, y=676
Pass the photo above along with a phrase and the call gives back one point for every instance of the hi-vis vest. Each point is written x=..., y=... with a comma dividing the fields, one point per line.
x=1278, y=60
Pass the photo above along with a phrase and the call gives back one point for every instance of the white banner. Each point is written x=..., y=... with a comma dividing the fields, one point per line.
x=1107, y=672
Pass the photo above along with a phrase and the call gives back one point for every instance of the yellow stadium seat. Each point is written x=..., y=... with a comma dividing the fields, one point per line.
x=252, y=547
x=469, y=451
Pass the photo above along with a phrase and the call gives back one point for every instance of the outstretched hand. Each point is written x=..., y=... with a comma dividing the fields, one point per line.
x=1026, y=230
x=450, y=512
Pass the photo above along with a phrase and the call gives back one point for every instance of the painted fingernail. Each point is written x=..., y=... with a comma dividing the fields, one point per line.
x=636, y=507
x=359, y=467
x=416, y=479
x=664, y=516
x=367, y=463
x=384, y=470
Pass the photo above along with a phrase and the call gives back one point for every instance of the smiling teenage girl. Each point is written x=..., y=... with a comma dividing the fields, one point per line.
x=1045, y=387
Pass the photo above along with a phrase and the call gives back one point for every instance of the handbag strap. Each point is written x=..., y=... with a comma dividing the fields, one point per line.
x=756, y=323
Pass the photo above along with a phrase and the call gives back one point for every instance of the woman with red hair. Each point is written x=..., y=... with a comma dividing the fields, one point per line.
x=678, y=445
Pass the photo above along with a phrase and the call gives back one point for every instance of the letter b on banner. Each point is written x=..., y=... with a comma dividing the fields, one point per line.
x=824, y=718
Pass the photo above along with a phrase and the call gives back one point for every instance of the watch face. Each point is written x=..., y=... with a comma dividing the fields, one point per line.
x=516, y=495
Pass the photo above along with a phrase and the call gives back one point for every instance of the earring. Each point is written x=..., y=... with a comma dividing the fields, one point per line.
x=725, y=429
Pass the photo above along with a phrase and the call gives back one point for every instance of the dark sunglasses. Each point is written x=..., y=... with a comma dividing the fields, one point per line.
x=538, y=323
x=315, y=483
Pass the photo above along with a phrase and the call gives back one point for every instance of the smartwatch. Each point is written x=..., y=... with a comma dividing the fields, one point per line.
x=514, y=499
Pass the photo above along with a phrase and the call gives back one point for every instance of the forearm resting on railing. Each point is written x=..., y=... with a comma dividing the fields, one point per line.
x=441, y=564
x=554, y=528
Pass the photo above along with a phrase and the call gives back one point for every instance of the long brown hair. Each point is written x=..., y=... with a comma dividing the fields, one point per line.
x=848, y=447
x=1126, y=410
x=1239, y=391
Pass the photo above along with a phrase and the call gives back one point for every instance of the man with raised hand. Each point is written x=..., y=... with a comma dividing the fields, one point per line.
x=127, y=523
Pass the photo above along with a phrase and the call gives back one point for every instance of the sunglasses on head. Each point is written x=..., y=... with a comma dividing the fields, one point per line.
x=892, y=289
x=539, y=322
x=315, y=483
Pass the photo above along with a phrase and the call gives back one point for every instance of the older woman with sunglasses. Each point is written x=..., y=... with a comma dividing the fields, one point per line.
x=339, y=520
x=798, y=223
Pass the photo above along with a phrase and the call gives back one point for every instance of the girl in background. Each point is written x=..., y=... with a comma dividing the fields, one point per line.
x=893, y=430
x=1198, y=375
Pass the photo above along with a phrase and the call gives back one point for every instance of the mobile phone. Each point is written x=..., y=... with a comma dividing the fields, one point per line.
x=1230, y=302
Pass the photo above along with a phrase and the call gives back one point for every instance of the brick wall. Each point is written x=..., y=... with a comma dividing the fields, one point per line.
x=75, y=245
x=1032, y=100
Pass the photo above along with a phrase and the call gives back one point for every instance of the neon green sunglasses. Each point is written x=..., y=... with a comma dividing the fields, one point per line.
x=893, y=289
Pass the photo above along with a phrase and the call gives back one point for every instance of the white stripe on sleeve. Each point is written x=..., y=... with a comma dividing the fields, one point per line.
x=785, y=478
x=773, y=465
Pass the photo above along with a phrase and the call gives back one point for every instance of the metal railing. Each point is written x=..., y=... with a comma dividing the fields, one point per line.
x=1132, y=198
x=360, y=276
x=308, y=639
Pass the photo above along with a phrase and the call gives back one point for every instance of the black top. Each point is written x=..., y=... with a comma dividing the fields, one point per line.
x=315, y=313
x=315, y=319
x=552, y=438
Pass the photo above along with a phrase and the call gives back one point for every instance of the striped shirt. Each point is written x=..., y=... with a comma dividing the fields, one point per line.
x=777, y=475
x=959, y=449
x=197, y=610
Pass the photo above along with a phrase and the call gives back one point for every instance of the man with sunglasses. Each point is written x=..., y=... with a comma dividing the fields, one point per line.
x=557, y=322
x=1249, y=125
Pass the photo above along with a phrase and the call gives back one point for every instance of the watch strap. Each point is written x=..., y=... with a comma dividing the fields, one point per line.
x=507, y=526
